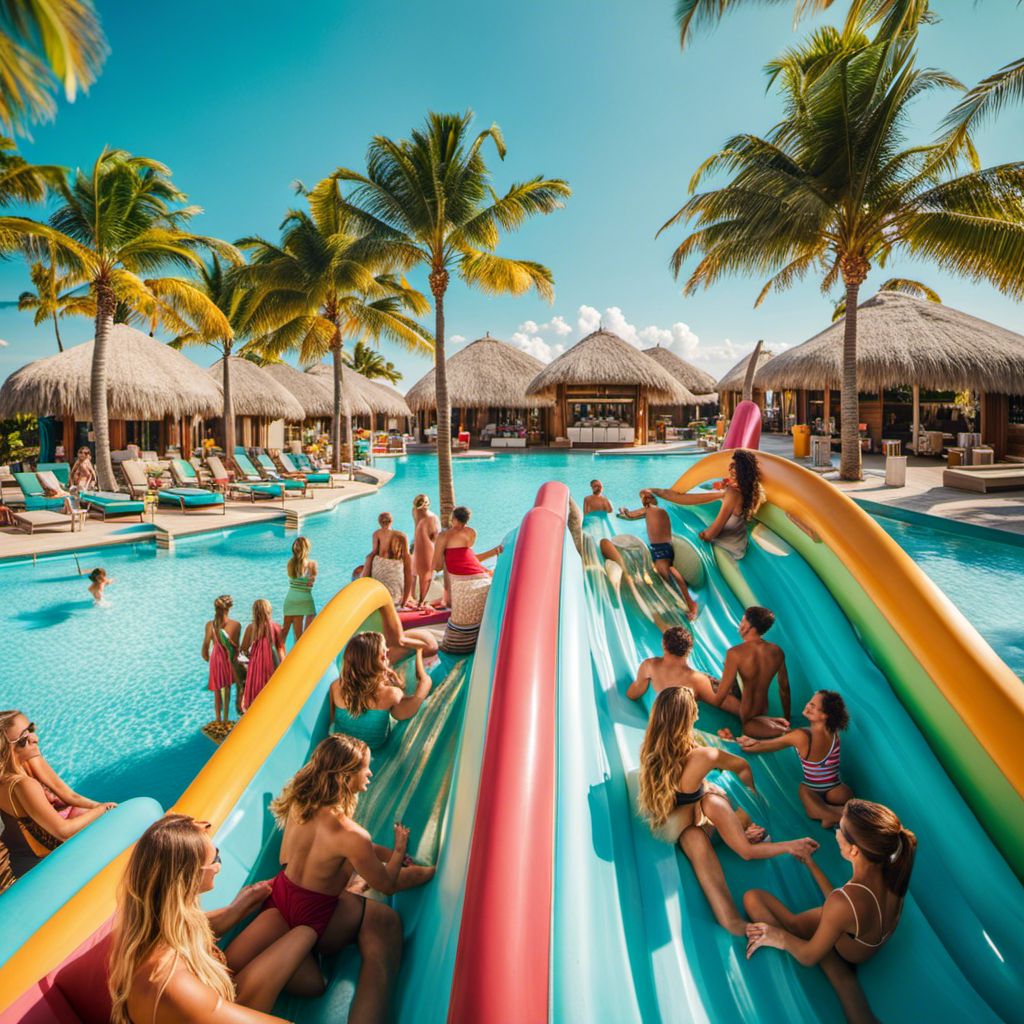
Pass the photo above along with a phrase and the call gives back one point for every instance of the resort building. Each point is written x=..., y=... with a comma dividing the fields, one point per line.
x=698, y=383
x=312, y=394
x=487, y=391
x=261, y=405
x=603, y=389
x=730, y=391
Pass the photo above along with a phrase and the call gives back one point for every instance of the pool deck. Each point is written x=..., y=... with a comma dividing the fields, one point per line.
x=166, y=525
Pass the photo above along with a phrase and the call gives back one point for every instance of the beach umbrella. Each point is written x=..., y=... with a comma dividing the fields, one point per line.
x=146, y=380
x=487, y=373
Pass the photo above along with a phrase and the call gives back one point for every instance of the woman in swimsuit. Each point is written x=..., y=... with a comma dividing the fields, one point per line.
x=31, y=825
x=453, y=551
x=28, y=758
x=321, y=849
x=220, y=649
x=369, y=693
x=164, y=966
x=299, y=608
x=263, y=645
x=83, y=473
x=856, y=919
x=682, y=806
x=741, y=495
x=818, y=747
x=392, y=566
x=427, y=527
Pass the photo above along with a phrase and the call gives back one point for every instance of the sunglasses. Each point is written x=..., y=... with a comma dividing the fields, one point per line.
x=23, y=740
x=216, y=858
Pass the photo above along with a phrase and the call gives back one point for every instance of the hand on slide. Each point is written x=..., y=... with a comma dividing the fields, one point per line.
x=251, y=897
x=746, y=742
x=760, y=934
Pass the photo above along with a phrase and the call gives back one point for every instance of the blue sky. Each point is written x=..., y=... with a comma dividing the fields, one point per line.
x=241, y=100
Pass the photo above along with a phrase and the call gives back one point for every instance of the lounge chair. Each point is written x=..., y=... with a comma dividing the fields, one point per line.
x=247, y=473
x=61, y=470
x=304, y=463
x=32, y=493
x=111, y=503
x=236, y=488
x=265, y=464
x=29, y=521
x=186, y=498
x=311, y=476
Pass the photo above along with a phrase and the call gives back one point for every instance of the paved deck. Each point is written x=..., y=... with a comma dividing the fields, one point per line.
x=165, y=525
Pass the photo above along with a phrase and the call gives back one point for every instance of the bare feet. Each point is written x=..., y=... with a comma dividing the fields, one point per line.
x=726, y=734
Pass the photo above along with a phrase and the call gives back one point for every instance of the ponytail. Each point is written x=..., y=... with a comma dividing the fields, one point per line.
x=879, y=834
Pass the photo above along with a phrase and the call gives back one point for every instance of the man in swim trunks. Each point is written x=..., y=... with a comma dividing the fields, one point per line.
x=659, y=539
x=757, y=662
x=673, y=669
x=596, y=500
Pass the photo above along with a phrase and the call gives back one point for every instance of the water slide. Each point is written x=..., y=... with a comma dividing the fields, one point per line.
x=936, y=724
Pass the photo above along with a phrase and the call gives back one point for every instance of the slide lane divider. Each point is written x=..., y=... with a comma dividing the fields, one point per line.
x=503, y=964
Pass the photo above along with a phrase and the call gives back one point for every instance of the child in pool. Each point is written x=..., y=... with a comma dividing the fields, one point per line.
x=100, y=582
x=381, y=541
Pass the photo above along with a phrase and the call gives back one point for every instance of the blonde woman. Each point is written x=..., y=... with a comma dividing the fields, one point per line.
x=299, y=608
x=320, y=849
x=220, y=650
x=427, y=527
x=393, y=567
x=369, y=694
x=165, y=967
x=31, y=825
x=682, y=806
x=83, y=472
x=263, y=645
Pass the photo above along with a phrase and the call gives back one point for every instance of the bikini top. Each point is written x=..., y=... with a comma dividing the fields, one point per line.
x=462, y=562
x=682, y=799
x=856, y=920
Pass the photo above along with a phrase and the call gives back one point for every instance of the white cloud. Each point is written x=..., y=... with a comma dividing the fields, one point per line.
x=3, y=344
x=531, y=342
x=456, y=339
x=560, y=327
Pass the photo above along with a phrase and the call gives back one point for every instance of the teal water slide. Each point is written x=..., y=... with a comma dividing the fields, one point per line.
x=633, y=936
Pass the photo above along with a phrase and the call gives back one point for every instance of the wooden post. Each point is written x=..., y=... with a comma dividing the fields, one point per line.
x=186, y=437
x=826, y=409
x=917, y=417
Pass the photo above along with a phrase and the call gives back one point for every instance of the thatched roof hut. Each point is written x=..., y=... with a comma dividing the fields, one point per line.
x=353, y=393
x=903, y=340
x=701, y=385
x=146, y=380
x=255, y=393
x=733, y=380
x=487, y=373
x=312, y=391
x=605, y=358
x=388, y=401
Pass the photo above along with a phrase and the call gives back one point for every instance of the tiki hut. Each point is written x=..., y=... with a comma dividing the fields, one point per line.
x=153, y=392
x=730, y=387
x=258, y=400
x=311, y=391
x=912, y=356
x=487, y=382
x=699, y=384
x=352, y=394
x=602, y=387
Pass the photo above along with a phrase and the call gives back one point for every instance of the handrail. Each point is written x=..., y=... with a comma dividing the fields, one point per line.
x=217, y=788
x=503, y=962
x=977, y=684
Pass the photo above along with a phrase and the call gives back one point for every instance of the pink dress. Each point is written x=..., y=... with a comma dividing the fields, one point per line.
x=221, y=657
x=261, y=664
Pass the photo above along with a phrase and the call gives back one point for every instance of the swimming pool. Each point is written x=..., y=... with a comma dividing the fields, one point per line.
x=119, y=693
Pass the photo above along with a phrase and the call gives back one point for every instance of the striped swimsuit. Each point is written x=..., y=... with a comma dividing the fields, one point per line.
x=823, y=775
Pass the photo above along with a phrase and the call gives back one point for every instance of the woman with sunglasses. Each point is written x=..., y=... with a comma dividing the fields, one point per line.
x=857, y=919
x=29, y=759
x=165, y=966
x=31, y=826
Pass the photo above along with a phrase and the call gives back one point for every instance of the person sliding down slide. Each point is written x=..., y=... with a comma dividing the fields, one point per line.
x=659, y=537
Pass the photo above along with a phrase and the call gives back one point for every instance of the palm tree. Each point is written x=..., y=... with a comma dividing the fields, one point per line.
x=834, y=188
x=369, y=363
x=427, y=200
x=894, y=284
x=310, y=293
x=55, y=296
x=43, y=41
x=225, y=293
x=113, y=224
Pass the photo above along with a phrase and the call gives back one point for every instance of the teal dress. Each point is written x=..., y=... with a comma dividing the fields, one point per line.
x=372, y=727
x=299, y=599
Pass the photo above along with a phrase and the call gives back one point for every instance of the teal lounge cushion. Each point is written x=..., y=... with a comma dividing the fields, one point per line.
x=61, y=470
x=271, y=489
x=112, y=501
x=32, y=489
x=292, y=485
x=318, y=478
x=192, y=496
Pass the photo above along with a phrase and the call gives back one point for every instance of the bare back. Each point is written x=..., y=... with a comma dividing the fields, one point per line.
x=665, y=672
x=757, y=665
x=315, y=853
x=659, y=526
x=427, y=528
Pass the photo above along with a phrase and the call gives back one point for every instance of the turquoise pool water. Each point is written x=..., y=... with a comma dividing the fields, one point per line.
x=119, y=693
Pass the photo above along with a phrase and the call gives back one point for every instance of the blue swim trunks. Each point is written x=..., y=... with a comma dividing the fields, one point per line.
x=662, y=552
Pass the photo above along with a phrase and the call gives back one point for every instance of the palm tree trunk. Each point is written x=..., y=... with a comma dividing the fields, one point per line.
x=229, y=407
x=342, y=412
x=854, y=273
x=445, y=479
x=98, y=388
x=56, y=330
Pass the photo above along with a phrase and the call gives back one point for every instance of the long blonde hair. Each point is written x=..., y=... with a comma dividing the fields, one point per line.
x=221, y=606
x=326, y=781
x=667, y=742
x=399, y=546
x=261, y=612
x=158, y=904
x=362, y=674
x=8, y=760
x=300, y=556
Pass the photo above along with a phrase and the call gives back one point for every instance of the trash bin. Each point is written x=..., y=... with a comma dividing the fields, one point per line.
x=801, y=441
x=895, y=471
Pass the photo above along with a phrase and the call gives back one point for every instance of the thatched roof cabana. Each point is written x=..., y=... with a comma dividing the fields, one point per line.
x=733, y=380
x=605, y=358
x=903, y=340
x=312, y=391
x=255, y=393
x=388, y=401
x=697, y=381
x=353, y=394
x=487, y=373
x=146, y=380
